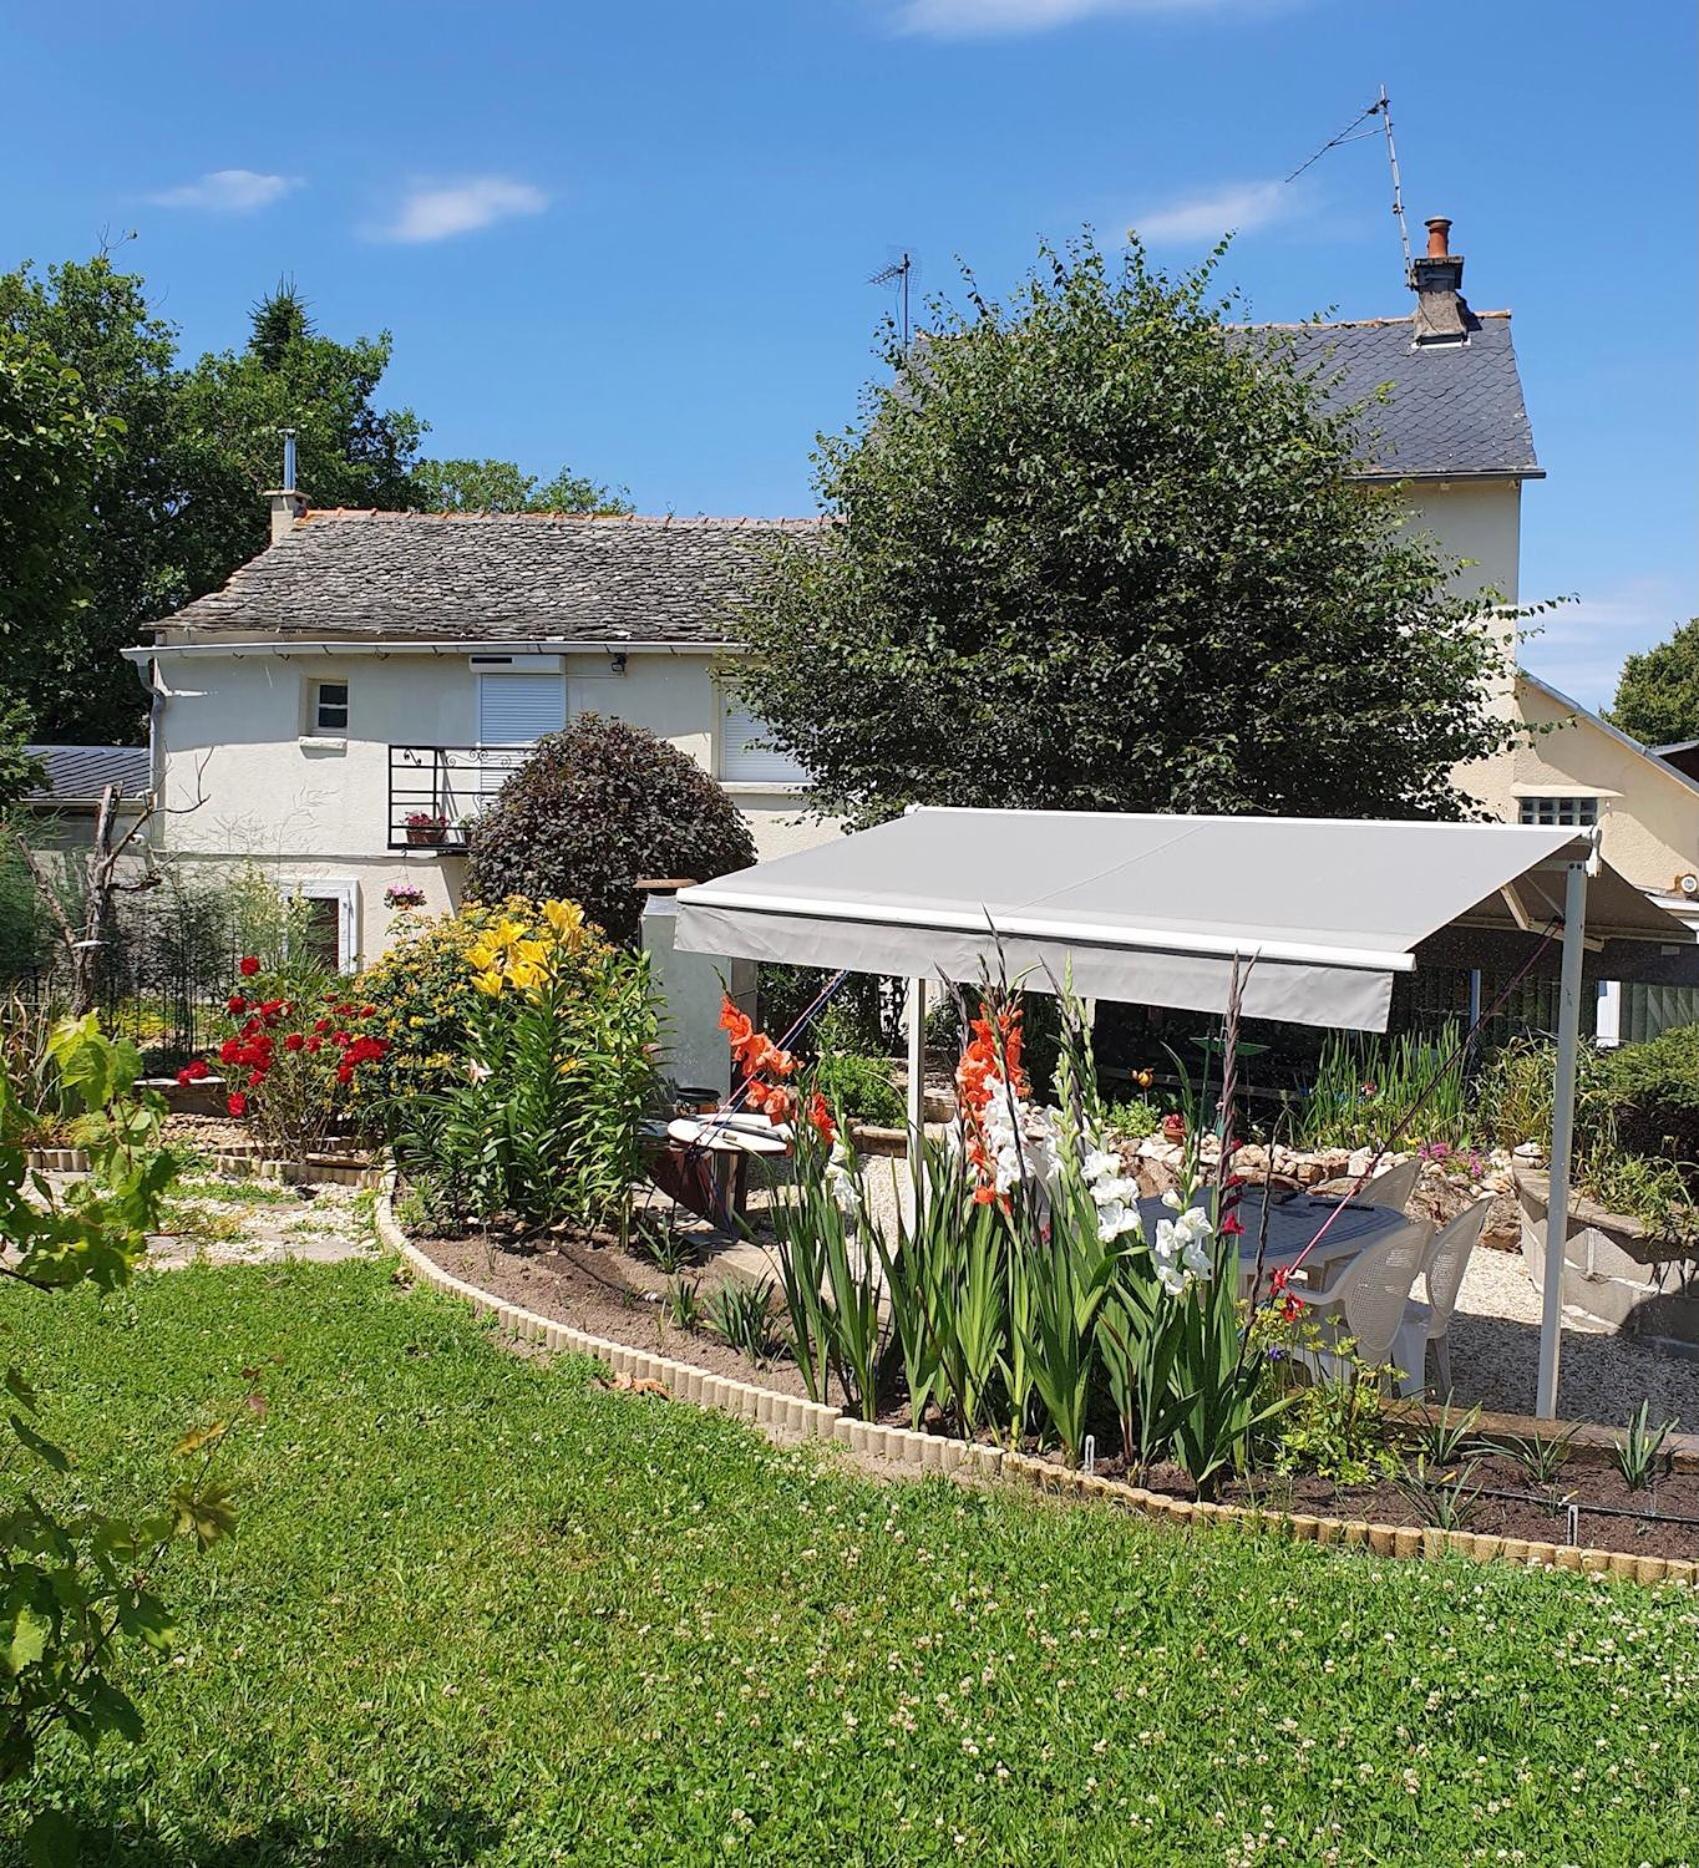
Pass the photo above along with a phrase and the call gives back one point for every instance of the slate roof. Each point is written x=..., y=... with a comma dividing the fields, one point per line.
x=79, y=774
x=1450, y=410
x=492, y=577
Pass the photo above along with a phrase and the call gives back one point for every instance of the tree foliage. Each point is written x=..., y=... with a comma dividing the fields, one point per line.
x=594, y=809
x=130, y=481
x=502, y=486
x=77, y=1584
x=1657, y=694
x=1097, y=550
x=52, y=443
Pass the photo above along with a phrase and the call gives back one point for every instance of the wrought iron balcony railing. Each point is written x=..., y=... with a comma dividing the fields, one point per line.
x=435, y=792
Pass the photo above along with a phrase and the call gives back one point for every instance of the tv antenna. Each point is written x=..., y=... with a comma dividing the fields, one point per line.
x=1354, y=132
x=899, y=273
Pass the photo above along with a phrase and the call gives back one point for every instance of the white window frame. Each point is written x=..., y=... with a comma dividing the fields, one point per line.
x=346, y=895
x=1575, y=810
x=316, y=705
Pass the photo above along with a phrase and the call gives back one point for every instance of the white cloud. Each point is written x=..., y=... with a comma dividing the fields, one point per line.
x=228, y=191
x=1239, y=207
x=1581, y=647
x=462, y=207
x=983, y=19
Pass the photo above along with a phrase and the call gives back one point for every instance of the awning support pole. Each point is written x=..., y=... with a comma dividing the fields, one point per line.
x=1563, y=1133
x=917, y=1088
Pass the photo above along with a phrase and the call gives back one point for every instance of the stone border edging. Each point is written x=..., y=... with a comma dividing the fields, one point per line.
x=926, y=1452
x=239, y=1167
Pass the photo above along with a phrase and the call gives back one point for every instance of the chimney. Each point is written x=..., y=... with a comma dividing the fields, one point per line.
x=288, y=503
x=1442, y=312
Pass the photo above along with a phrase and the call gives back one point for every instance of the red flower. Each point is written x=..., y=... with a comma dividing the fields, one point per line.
x=1232, y=1225
x=237, y=1104
x=314, y=1046
x=321, y=1024
x=294, y=1041
x=345, y=1073
x=197, y=1069
x=1174, y=1128
x=255, y=1079
x=820, y=1114
x=183, y=1079
x=249, y=966
x=236, y=1005
x=368, y=1011
x=346, y=1011
x=230, y=1051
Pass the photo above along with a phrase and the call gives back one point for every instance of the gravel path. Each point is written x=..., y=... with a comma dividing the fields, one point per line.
x=1495, y=1341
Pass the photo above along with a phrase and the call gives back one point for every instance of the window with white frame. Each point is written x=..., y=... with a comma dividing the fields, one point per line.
x=745, y=758
x=1574, y=813
x=330, y=707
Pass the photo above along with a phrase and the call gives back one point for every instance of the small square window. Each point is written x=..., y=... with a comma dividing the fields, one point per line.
x=330, y=706
x=1560, y=813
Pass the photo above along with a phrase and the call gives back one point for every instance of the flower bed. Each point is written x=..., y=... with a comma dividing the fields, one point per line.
x=535, y=1301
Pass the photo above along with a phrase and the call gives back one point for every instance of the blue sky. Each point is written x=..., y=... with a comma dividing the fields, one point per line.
x=638, y=238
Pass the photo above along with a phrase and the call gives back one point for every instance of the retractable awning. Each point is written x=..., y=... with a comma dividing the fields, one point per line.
x=1152, y=910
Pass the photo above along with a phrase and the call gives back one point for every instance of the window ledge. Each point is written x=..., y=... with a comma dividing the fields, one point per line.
x=746, y=787
x=322, y=743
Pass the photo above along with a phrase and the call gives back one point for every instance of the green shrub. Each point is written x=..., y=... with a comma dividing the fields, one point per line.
x=1133, y=1118
x=1655, y=1088
x=595, y=808
x=860, y=1086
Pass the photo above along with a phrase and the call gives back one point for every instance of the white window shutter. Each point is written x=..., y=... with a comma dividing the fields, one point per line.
x=743, y=760
x=518, y=709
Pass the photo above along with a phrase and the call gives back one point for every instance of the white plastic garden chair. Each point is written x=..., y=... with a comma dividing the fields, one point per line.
x=1396, y=1185
x=1367, y=1303
x=1426, y=1325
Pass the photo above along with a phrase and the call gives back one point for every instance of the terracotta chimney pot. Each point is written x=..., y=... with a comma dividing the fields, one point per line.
x=1439, y=242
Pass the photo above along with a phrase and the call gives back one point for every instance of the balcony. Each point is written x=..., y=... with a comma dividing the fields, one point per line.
x=436, y=792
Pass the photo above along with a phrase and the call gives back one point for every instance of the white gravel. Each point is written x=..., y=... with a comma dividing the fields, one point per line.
x=1495, y=1339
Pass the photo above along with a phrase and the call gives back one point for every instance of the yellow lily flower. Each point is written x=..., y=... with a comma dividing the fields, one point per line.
x=483, y=956
x=565, y=918
x=526, y=975
x=489, y=983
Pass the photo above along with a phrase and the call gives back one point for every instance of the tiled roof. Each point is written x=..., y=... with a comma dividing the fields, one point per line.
x=79, y=773
x=493, y=577
x=1448, y=410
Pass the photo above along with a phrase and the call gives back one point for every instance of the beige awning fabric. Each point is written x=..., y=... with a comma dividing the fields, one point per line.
x=1153, y=910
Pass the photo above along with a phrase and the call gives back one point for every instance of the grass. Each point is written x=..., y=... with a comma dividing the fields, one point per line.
x=481, y=1610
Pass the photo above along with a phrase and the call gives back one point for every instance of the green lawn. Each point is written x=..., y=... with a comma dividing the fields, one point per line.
x=479, y=1610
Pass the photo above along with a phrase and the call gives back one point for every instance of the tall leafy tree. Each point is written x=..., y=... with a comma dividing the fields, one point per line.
x=1096, y=549
x=96, y=320
x=233, y=407
x=502, y=486
x=1657, y=694
x=53, y=446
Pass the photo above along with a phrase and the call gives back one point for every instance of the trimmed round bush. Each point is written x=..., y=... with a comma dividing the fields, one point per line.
x=593, y=809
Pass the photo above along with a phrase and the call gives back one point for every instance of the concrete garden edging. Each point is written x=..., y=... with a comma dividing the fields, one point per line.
x=924, y=1452
x=1617, y=1275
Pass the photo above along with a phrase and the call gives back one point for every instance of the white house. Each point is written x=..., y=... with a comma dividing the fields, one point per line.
x=348, y=700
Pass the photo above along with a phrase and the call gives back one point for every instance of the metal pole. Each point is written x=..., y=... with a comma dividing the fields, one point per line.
x=1563, y=1134
x=917, y=1087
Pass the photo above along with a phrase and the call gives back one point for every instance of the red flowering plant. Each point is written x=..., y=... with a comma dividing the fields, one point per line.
x=830, y=1279
x=295, y=1043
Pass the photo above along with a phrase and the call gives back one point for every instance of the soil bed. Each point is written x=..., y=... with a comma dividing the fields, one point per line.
x=613, y=1294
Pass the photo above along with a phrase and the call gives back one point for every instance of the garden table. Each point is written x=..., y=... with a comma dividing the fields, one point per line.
x=1293, y=1221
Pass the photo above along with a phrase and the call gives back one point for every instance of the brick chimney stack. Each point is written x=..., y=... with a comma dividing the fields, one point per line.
x=1442, y=312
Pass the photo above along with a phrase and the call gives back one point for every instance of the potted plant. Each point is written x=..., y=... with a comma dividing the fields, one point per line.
x=426, y=827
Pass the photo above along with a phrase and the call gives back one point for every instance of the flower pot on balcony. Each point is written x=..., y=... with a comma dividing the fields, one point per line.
x=427, y=834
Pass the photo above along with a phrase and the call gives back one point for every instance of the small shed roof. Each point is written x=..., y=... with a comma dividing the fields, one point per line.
x=79, y=774
x=1153, y=909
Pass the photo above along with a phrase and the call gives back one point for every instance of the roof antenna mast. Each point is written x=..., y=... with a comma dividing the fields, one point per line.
x=1384, y=106
x=898, y=273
